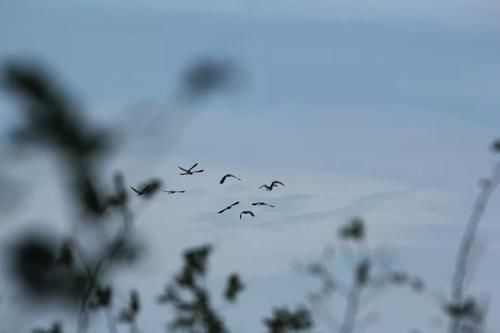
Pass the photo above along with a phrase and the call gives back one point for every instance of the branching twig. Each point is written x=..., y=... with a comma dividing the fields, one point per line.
x=100, y=266
x=463, y=257
x=351, y=310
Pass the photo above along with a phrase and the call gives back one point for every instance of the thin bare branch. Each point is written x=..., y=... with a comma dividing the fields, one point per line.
x=462, y=264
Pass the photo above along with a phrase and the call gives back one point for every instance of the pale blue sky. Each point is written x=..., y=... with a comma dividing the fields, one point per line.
x=384, y=109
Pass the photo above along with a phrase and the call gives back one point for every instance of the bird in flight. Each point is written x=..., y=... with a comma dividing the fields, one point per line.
x=260, y=203
x=148, y=188
x=223, y=179
x=247, y=212
x=173, y=192
x=274, y=183
x=190, y=170
x=228, y=207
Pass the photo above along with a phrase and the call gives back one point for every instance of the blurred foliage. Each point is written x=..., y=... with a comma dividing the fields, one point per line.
x=194, y=313
x=102, y=298
x=45, y=271
x=51, y=119
x=55, y=328
x=129, y=314
x=48, y=268
x=368, y=275
x=233, y=288
x=496, y=146
x=208, y=75
x=354, y=230
x=284, y=320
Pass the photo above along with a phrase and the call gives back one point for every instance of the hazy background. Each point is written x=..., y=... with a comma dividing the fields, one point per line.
x=381, y=109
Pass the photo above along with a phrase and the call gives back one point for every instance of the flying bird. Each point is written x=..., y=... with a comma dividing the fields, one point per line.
x=173, y=192
x=190, y=170
x=228, y=207
x=247, y=212
x=260, y=203
x=273, y=184
x=223, y=179
x=147, y=189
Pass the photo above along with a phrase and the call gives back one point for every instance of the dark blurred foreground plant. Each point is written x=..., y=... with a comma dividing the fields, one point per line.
x=367, y=275
x=195, y=312
x=51, y=268
x=466, y=313
x=284, y=320
x=68, y=270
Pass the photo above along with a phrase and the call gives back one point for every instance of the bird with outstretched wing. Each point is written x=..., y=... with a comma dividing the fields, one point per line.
x=273, y=184
x=173, y=192
x=261, y=203
x=148, y=188
x=223, y=179
x=190, y=170
x=247, y=212
x=228, y=207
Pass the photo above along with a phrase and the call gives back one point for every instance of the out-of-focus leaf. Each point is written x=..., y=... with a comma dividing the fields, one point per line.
x=284, y=320
x=233, y=287
x=354, y=230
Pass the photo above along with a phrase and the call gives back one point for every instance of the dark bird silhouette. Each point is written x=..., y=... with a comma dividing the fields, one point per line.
x=223, y=179
x=247, y=212
x=228, y=207
x=260, y=203
x=148, y=188
x=190, y=170
x=273, y=184
x=173, y=192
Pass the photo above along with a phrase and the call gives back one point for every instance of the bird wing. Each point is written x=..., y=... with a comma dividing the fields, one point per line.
x=223, y=179
x=194, y=166
x=263, y=186
x=235, y=203
x=246, y=212
x=222, y=211
x=277, y=182
x=197, y=171
x=182, y=169
x=136, y=191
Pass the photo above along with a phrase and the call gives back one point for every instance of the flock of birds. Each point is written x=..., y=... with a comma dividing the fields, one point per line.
x=151, y=187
